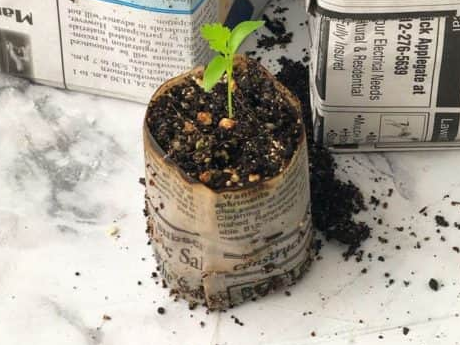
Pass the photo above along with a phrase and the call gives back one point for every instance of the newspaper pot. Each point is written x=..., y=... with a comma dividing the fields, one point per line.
x=224, y=247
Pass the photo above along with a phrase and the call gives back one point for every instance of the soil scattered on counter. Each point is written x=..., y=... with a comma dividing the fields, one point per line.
x=237, y=321
x=280, y=36
x=334, y=202
x=433, y=284
x=441, y=221
x=280, y=10
x=275, y=25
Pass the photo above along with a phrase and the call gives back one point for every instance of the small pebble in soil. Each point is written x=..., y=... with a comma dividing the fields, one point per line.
x=205, y=118
x=189, y=127
x=406, y=330
x=433, y=284
x=254, y=178
x=205, y=177
x=227, y=123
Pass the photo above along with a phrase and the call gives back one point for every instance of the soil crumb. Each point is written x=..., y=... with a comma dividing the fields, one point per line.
x=433, y=284
x=441, y=221
x=280, y=36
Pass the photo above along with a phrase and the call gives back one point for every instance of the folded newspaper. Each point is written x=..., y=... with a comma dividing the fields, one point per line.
x=385, y=74
x=118, y=48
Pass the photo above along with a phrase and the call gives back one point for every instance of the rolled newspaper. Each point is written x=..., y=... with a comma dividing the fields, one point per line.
x=119, y=48
x=385, y=74
x=225, y=247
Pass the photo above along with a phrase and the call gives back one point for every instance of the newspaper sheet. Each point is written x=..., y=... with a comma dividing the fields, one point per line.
x=119, y=48
x=387, y=80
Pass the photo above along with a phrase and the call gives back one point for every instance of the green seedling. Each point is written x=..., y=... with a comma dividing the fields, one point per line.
x=225, y=42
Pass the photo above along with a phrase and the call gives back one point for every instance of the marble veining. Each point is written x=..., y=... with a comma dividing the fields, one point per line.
x=69, y=169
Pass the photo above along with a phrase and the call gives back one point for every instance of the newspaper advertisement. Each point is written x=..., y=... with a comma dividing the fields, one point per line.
x=119, y=48
x=385, y=76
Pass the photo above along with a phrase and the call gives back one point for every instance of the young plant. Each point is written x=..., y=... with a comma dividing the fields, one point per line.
x=225, y=42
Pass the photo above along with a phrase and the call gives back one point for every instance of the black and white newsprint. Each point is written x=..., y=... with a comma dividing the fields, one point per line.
x=118, y=48
x=385, y=74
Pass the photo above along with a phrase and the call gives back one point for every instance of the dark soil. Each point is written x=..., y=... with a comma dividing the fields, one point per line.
x=280, y=10
x=441, y=221
x=275, y=26
x=433, y=284
x=186, y=123
x=279, y=35
x=237, y=321
x=268, y=42
x=334, y=202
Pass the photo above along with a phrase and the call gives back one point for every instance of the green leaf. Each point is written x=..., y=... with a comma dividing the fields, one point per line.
x=214, y=72
x=241, y=32
x=217, y=35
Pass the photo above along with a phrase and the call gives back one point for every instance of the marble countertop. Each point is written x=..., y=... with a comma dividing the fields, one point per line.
x=69, y=168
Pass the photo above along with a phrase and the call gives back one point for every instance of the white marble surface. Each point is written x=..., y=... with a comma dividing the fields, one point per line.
x=69, y=168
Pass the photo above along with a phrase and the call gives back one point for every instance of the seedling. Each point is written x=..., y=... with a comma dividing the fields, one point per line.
x=225, y=42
